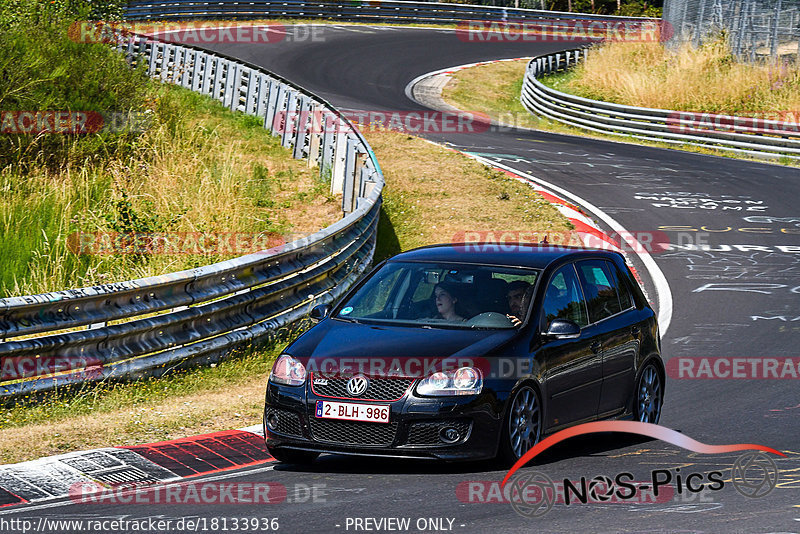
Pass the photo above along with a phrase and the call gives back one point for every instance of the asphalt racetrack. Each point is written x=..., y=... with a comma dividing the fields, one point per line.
x=738, y=298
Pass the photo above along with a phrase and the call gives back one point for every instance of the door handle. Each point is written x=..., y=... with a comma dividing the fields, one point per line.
x=595, y=346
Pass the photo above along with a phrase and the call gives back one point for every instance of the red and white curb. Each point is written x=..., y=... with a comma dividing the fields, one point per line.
x=66, y=475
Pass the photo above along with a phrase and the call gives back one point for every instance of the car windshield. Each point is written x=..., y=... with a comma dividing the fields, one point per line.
x=443, y=295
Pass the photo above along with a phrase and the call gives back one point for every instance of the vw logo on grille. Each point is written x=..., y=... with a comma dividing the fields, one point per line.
x=357, y=385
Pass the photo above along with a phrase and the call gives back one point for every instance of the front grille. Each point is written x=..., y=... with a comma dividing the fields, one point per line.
x=353, y=432
x=427, y=433
x=385, y=389
x=288, y=422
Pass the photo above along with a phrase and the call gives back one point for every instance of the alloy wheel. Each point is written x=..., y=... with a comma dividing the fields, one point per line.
x=524, y=421
x=649, y=395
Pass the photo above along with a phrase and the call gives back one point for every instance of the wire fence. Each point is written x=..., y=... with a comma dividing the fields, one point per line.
x=755, y=28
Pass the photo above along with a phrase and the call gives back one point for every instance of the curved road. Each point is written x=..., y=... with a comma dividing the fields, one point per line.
x=735, y=282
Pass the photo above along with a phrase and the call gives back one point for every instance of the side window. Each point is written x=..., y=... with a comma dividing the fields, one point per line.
x=563, y=298
x=600, y=289
x=625, y=298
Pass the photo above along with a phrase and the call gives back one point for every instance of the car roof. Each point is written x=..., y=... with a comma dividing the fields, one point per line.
x=506, y=254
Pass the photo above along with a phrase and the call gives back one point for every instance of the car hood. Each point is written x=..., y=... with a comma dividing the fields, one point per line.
x=342, y=339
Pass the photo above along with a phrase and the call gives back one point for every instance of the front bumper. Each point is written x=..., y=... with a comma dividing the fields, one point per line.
x=415, y=429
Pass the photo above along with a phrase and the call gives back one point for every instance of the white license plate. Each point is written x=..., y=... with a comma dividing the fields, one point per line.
x=371, y=413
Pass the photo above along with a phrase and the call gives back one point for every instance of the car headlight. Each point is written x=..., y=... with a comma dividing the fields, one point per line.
x=464, y=381
x=288, y=371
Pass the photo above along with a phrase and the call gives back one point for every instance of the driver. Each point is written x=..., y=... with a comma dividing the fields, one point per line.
x=517, y=291
x=446, y=300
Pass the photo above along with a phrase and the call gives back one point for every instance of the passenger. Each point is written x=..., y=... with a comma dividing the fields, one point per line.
x=517, y=292
x=446, y=301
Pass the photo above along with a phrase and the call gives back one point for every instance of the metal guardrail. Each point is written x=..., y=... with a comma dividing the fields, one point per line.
x=363, y=11
x=767, y=139
x=148, y=326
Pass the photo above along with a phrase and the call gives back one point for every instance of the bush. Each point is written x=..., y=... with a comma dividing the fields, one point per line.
x=42, y=69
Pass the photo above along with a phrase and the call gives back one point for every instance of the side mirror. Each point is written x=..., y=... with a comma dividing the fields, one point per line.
x=563, y=329
x=318, y=313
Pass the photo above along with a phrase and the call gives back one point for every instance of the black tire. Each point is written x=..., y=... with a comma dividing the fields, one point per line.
x=522, y=428
x=289, y=456
x=648, y=397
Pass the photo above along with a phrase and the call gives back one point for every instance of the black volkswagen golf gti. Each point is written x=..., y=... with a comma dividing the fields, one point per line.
x=463, y=352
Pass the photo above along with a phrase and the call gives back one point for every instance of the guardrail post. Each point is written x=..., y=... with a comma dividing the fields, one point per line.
x=167, y=51
x=177, y=64
x=350, y=185
x=131, y=46
x=315, y=135
x=197, y=71
x=232, y=70
x=339, y=156
x=153, y=67
x=208, y=69
x=188, y=73
x=216, y=78
x=143, y=52
x=361, y=161
x=253, y=86
x=367, y=182
x=218, y=91
x=237, y=87
x=290, y=121
x=275, y=114
x=262, y=96
x=330, y=124
x=301, y=137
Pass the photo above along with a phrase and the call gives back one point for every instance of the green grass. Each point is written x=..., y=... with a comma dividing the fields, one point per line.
x=195, y=167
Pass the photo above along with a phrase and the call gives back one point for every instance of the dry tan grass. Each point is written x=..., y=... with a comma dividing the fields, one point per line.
x=703, y=79
x=144, y=422
x=439, y=194
x=213, y=172
x=493, y=89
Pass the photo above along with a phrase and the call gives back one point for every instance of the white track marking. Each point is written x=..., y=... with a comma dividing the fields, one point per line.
x=663, y=292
